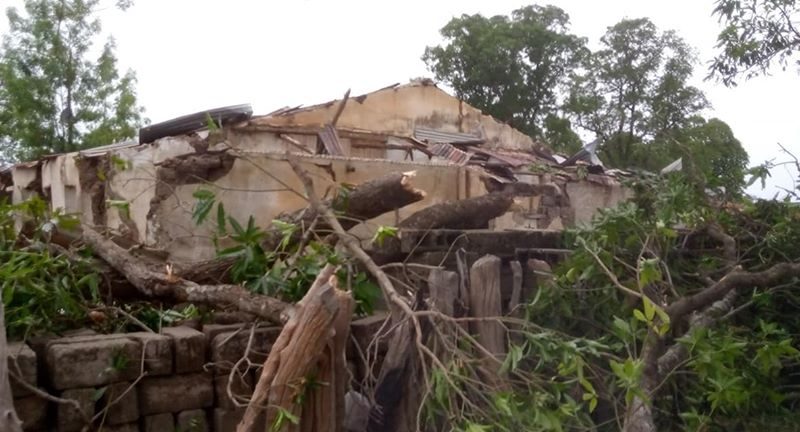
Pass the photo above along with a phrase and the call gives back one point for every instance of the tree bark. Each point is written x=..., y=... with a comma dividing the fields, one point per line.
x=162, y=285
x=8, y=415
x=470, y=213
x=293, y=356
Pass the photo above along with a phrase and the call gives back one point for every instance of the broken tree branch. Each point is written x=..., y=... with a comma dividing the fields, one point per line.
x=733, y=280
x=153, y=284
x=294, y=354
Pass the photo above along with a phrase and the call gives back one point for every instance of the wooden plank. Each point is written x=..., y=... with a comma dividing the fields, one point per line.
x=485, y=301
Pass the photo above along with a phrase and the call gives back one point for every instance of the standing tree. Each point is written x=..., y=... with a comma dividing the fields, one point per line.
x=54, y=97
x=635, y=89
x=757, y=35
x=512, y=67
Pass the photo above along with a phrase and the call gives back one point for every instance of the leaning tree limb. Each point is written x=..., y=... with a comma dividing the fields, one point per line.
x=363, y=202
x=163, y=285
x=470, y=213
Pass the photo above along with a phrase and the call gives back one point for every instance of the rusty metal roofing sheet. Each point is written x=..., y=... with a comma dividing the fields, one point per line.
x=513, y=159
x=450, y=153
x=436, y=136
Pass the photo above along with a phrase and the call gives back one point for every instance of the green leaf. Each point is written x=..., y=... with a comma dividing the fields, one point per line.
x=639, y=315
x=382, y=233
x=649, y=272
x=99, y=393
x=649, y=308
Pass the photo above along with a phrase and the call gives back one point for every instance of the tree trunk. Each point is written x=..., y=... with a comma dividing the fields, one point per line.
x=293, y=356
x=325, y=409
x=8, y=415
x=470, y=213
x=153, y=284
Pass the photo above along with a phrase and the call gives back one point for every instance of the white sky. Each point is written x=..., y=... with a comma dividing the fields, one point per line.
x=191, y=55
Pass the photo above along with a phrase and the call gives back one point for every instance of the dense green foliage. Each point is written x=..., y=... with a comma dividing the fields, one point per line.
x=41, y=290
x=741, y=372
x=54, y=97
x=758, y=34
x=512, y=67
x=633, y=92
x=286, y=272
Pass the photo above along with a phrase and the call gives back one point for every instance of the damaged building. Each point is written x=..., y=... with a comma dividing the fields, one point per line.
x=144, y=190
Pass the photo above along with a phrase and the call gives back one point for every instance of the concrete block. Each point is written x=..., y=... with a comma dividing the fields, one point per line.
x=158, y=423
x=176, y=393
x=91, y=361
x=189, y=346
x=228, y=348
x=32, y=410
x=21, y=361
x=226, y=420
x=124, y=410
x=158, y=352
x=212, y=330
x=127, y=427
x=193, y=421
x=68, y=418
x=241, y=386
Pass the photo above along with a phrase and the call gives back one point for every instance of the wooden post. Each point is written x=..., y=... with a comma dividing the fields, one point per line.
x=485, y=301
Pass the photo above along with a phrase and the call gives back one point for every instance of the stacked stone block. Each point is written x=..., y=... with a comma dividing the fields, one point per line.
x=176, y=380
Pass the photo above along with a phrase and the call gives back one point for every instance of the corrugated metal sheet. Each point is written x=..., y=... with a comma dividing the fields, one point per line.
x=450, y=153
x=331, y=141
x=513, y=159
x=436, y=136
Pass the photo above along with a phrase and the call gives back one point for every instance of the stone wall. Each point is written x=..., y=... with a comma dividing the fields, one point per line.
x=176, y=380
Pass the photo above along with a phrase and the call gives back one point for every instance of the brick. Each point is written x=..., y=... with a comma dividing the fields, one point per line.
x=69, y=419
x=241, y=386
x=158, y=352
x=192, y=421
x=92, y=361
x=176, y=393
x=228, y=348
x=159, y=422
x=22, y=361
x=32, y=410
x=124, y=410
x=227, y=420
x=189, y=346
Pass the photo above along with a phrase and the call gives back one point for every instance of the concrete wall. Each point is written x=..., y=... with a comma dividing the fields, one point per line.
x=127, y=190
x=398, y=110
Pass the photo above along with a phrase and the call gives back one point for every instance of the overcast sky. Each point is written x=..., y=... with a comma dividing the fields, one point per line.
x=191, y=55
